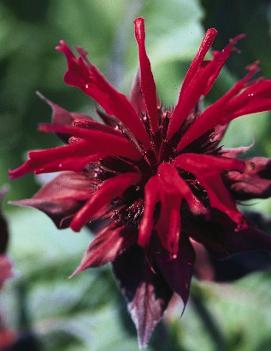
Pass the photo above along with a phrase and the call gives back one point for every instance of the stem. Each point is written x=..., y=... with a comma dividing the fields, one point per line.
x=23, y=316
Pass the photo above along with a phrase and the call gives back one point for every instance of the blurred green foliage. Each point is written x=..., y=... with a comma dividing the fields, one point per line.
x=87, y=313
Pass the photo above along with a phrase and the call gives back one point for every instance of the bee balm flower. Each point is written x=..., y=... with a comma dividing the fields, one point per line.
x=153, y=178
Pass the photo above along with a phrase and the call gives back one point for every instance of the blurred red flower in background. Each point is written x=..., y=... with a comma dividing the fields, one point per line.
x=152, y=179
x=7, y=336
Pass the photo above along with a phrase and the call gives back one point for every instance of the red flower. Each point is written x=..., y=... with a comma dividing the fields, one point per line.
x=5, y=263
x=152, y=178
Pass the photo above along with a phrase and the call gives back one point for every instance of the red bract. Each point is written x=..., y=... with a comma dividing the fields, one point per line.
x=153, y=178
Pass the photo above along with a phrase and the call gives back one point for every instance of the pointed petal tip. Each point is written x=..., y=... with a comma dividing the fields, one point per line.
x=142, y=343
x=22, y=203
x=75, y=272
x=19, y=171
x=44, y=98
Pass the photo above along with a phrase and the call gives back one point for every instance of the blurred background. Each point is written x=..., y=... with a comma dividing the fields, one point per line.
x=87, y=312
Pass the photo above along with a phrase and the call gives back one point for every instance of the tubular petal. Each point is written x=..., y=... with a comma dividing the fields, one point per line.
x=151, y=198
x=136, y=96
x=99, y=141
x=109, y=190
x=200, y=84
x=67, y=157
x=169, y=222
x=75, y=164
x=208, y=163
x=243, y=98
x=148, y=87
x=84, y=75
x=207, y=169
x=198, y=60
x=173, y=180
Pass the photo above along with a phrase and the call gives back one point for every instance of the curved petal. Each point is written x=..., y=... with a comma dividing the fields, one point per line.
x=84, y=75
x=103, y=196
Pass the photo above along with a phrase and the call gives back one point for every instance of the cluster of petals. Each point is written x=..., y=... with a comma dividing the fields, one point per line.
x=153, y=182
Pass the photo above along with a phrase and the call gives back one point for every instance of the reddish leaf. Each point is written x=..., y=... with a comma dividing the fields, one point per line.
x=146, y=292
x=61, y=197
x=107, y=245
x=177, y=272
x=223, y=241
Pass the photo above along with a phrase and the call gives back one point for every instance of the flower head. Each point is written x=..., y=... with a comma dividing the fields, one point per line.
x=151, y=179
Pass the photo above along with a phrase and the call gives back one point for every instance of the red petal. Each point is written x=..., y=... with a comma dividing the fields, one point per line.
x=199, y=82
x=136, y=96
x=109, y=190
x=68, y=157
x=148, y=87
x=106, y=247
x=175, y=182
x=198, y=60
x=84, y=75
x=75, y=164
x=151, y=198
x=238, y=101
x=208, y=163
x=169, y=223
x=100, y=141
x=207, y=169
